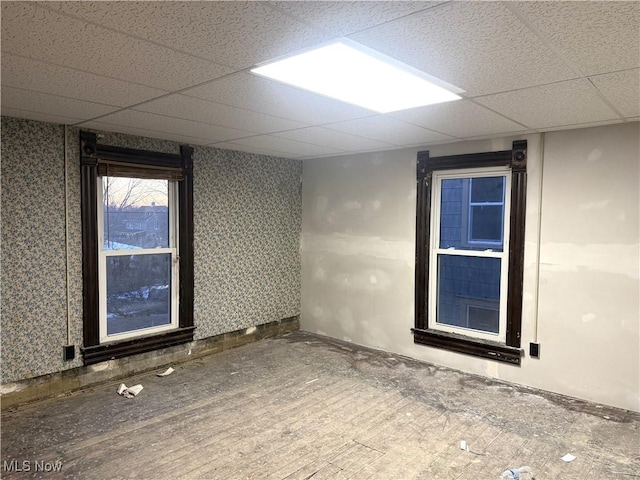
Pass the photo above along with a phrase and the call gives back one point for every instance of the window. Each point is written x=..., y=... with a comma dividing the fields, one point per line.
x=469, y=252
x=137, y=224
x=485, y=213
x=138, y=274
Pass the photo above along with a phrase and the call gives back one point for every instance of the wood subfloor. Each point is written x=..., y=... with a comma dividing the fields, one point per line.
x=306, y=407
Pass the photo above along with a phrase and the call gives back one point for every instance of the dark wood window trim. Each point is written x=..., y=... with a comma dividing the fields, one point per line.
x=128, y=161
x=516, y=159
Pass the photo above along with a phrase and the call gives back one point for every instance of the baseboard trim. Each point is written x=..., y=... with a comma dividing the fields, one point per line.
x=67, y=381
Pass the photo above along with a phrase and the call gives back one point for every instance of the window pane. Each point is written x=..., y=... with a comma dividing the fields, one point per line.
x=451, y=212
x=469, y=292
x=136, y=213
x=472, y=213
x=138, y=292
x=485, y=224
x=485, y=319
x=487, y=189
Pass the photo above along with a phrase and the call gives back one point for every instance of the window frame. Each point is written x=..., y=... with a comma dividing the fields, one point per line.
x=435, y=250
x=508, y=351
x=173, y=249
x=94, y=160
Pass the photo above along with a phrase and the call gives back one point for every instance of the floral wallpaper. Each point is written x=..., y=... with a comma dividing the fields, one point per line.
x=247, y=216
x=33, y=282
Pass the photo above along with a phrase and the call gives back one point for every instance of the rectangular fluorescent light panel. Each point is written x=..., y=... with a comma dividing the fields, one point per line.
x=355, y=74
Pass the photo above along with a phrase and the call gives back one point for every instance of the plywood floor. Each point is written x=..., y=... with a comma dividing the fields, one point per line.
x=301, y=407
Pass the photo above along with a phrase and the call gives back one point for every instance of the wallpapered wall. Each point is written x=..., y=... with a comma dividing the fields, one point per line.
x=247, y=215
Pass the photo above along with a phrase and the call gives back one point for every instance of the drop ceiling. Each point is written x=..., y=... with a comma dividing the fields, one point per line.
x=180, y=70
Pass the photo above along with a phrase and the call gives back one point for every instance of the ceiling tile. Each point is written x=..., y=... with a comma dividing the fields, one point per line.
x=52, y=104
x=76, y=62
x=286, y=146
x=42, y=117
x=582, y=125
x=143, y=132
x=622, y=89
x=252, y=149
x=195, y=109
x=237, y=34
x=503, y=135
x=47, y=78
x=599, y=36
x=565, y=103
x=273, y=98
x=175, y=126
x=389, y=130
x=461, y=119
x=337, y=140
x=44, y=35
x=342, y=18
x=480, y=47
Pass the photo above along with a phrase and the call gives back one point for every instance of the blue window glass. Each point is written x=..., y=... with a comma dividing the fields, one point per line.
x=468, y=292
x=472, y=213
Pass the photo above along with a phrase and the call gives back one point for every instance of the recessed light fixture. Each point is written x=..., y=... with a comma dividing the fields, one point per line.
x=355, y=74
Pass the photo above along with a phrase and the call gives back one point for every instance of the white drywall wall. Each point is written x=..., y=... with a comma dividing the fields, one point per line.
x=580, y=300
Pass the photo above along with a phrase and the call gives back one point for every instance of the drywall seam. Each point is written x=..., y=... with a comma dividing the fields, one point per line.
x=360, y=245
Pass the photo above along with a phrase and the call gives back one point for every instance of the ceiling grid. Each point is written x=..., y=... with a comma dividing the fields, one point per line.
x=180, y=70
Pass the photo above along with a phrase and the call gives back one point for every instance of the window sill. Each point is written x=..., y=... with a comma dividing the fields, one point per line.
x=470, y=346
x=125, y=348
